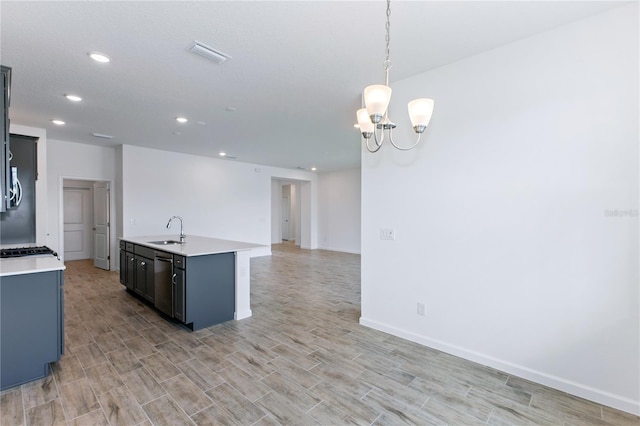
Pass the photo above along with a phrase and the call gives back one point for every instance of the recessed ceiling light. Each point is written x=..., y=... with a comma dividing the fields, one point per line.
x=222, y=154
x=58, y=122
x=313, y=169
x=181, y=120
x=99, y=57
x=73, y=98
x=357, y=126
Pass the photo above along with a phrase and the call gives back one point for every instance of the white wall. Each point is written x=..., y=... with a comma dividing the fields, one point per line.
x=216, y=198
x=339, y=210
x=276, y=207
x=68, y=160
x=517, y=217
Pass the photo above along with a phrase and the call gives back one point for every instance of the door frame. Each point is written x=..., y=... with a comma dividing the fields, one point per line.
x=112, y=217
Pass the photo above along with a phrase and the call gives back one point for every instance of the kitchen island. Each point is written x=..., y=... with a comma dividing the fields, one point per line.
x=201, y=282
x=31, y=318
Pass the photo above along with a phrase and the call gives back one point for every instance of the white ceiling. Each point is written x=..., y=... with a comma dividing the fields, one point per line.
x=297, y=71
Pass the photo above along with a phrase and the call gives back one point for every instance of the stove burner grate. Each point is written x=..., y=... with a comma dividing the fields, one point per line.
x=26, y=251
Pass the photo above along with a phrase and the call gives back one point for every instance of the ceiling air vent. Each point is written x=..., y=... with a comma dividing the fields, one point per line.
x=101, y=135
x=209, y=52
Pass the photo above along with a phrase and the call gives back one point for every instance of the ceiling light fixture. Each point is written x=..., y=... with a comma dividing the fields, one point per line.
x=181, y=120
x=209, y=52
x=58, y=122
x=375, y=115
x=99, y=57
x=73, y=98
x=222, y=154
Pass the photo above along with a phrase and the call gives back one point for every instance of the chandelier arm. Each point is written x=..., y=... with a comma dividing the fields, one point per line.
x=375, y=137
x=401, y=148
x=376, y=149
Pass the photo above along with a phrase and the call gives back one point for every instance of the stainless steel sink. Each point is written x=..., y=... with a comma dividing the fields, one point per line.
x=165, y=242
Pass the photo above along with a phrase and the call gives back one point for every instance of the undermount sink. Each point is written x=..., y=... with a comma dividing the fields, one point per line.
x=165, y=243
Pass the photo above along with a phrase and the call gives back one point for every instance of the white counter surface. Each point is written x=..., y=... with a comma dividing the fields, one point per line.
x=194, y=245
x=29, y=265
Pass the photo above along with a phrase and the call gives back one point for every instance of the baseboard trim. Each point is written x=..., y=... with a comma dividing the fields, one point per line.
x=568, y=386
x=242, y=315
x=338, y=250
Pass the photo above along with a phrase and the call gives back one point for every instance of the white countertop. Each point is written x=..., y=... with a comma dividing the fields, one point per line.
x=29, y=265
x=194, y=245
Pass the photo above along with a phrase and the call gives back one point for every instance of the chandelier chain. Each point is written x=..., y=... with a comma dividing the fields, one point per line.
x=387, y=61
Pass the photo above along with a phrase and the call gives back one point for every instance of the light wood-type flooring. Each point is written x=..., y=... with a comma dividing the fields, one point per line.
x=302, y=359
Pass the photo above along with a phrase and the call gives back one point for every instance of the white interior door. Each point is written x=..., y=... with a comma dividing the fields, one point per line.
x=77, y=223
x=101, y=225
x=286, y=213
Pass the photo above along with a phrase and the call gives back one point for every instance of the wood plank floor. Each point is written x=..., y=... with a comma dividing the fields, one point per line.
x=302, y=359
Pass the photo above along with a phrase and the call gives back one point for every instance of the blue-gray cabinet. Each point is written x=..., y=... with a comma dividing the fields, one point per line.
x=202, y=288
x=31, y=326
x=5, y=172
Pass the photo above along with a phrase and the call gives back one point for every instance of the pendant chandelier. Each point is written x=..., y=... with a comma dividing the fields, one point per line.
x=374, y=118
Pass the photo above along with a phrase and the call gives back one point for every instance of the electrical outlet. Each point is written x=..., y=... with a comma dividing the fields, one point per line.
x=420, y=308
x=387, y=234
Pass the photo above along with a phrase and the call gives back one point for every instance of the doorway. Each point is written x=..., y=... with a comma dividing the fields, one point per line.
x=86, y=221
x=301, y=228
x=285, y=211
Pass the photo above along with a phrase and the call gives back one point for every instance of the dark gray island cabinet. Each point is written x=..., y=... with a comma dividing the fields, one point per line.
x=31, y=319
x=187, y=283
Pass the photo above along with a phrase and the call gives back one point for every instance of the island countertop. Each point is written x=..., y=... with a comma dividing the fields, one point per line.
x=29, y=265
x=193, y=246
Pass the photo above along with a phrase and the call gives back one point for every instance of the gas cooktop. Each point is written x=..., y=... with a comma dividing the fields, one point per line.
x=26, y=251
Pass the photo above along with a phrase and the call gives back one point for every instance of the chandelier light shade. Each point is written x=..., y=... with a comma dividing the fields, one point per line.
x=364, y=122
x=376, y=100
x=420, y=111
x=374, y=118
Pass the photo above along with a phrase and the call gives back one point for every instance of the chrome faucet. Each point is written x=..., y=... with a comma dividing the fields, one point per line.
x=182, y=236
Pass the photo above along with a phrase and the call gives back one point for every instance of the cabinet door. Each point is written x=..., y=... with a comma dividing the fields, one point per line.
x=139, y=269
x=179, y=295
x=144, y=278
x=130, y=276
x=150, y=288
x=5, y=77
x=123, y=267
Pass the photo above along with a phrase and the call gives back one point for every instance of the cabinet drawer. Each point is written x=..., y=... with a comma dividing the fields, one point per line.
x=179, y=261
x=123, y=245
x=129, y=247
x=144, y=251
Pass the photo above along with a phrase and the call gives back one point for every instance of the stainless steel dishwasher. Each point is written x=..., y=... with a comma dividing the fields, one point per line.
x=163, y=271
